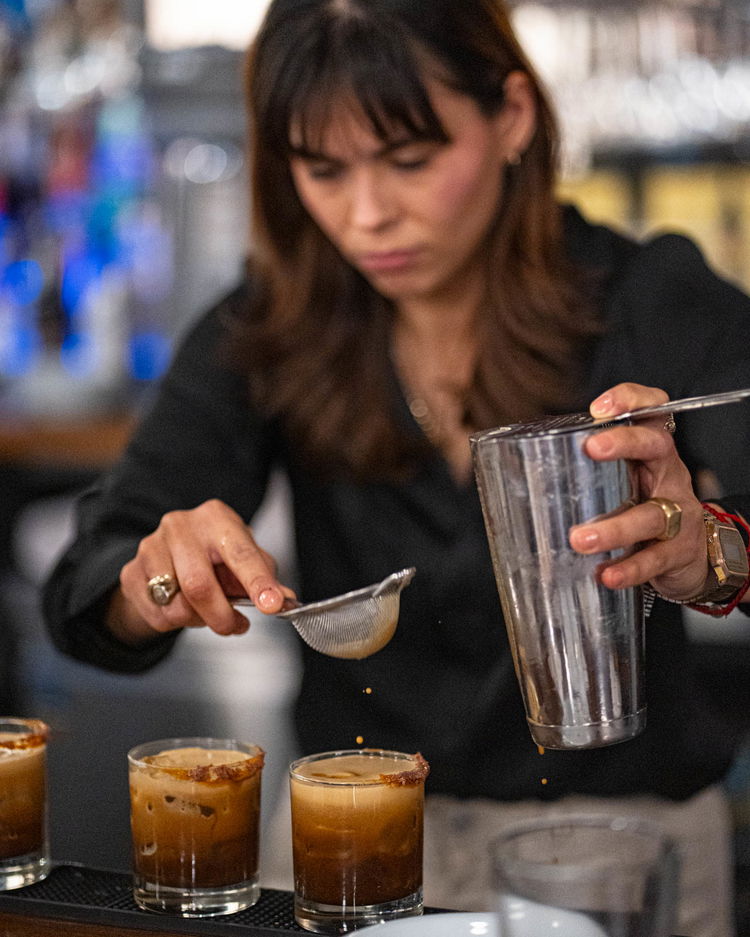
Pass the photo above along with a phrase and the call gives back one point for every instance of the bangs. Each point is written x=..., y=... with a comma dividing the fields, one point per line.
x=374, y=73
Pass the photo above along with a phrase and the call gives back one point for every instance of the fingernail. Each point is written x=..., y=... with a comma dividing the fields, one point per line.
x=602, y=404
x=587, y=540
x=616, y=579
x=269, y=597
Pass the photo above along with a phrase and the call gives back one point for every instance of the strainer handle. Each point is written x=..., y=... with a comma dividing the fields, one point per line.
x=244, y=601
x=685, y=403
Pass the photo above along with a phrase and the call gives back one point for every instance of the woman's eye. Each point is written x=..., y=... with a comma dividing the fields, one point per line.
x=411, y=164
x=315, y=169
x=323, y=170
x=411, y=158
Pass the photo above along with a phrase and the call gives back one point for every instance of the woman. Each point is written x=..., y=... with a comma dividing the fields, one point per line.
x=414, y=280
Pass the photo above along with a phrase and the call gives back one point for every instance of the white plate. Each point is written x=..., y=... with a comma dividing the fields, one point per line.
x=447, y=924
x=530, y=920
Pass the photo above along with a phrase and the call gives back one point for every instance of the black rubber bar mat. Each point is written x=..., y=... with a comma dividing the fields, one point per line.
x=98, y=896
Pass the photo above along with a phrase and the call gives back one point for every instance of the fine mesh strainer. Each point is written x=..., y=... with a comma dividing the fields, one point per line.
x=566, y=422
x=353, y=625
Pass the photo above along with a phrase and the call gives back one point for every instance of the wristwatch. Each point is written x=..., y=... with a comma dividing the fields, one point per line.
x=728, y=579
x=727, y=557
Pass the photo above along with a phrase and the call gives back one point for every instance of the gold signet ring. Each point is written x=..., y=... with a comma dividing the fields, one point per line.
x=162, y=589
x=672, y=517
x=669, y=424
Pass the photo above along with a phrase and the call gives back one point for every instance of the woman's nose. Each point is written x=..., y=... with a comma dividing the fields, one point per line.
x=371, y=205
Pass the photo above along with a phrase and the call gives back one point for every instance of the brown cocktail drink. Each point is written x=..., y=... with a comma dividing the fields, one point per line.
x=24, y=851
x=357, y=832
x=194, y=816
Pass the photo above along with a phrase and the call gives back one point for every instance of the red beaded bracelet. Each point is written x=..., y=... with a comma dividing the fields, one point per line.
x=721, y=611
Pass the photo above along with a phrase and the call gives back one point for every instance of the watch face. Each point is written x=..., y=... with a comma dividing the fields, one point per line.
x=733, y=548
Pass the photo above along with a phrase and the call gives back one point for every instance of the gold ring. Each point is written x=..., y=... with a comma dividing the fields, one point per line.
x=672, y=517
x=162, y=589
x=669, y=424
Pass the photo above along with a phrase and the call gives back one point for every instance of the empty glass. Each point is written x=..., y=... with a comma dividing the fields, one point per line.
x=585, y=876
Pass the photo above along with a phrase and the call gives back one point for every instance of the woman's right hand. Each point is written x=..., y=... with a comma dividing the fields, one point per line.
x=211, y=554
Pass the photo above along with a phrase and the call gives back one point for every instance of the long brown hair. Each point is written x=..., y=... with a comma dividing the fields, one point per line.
x=317, y=339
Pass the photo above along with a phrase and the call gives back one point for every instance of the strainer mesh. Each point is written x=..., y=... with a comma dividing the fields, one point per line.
x=351, y=630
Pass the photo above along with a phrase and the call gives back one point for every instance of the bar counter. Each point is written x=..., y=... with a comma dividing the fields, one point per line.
x=79, y=901
x=91, y=442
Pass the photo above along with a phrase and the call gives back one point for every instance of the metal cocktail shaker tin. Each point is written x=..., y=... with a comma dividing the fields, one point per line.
x=578, y=647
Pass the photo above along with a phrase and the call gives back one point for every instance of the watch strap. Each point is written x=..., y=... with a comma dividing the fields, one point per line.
x=719, y=600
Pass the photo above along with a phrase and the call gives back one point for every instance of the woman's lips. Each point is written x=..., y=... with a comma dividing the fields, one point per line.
x=387, y=261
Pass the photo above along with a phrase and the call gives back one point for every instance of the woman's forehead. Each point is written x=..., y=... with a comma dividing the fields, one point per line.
x=340, y=122
x=344, y=119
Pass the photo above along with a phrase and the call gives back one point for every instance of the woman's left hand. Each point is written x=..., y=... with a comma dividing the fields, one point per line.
x=676, y=568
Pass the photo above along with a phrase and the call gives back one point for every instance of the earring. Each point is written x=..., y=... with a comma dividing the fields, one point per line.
x=513, y=159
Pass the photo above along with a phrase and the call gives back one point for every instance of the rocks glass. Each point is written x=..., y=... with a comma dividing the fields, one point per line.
x=24, y=847
x=588, y=875
x=357, y=834
x=194, y=816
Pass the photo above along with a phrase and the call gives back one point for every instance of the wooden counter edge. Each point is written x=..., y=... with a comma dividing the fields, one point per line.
x=93, y=442
x=28, y=925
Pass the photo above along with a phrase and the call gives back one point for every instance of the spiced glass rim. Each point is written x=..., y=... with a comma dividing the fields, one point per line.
x=416, y=774
x=28, y=733
x=250, y=761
